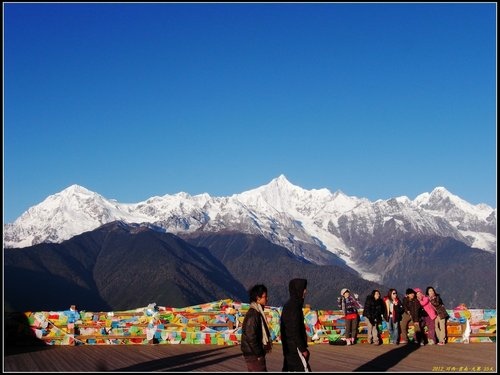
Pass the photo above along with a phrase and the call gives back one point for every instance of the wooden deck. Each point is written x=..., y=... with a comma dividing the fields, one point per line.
x=474, y=357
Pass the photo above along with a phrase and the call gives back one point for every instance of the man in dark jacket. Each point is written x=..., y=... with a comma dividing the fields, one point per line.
x=255, y=337
x=412, y=314
x=293, y=330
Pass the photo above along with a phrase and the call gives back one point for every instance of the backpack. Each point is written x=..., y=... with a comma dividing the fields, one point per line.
x=335, y=339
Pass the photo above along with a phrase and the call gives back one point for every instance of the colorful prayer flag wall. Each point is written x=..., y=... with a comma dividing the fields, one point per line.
x=216, y=323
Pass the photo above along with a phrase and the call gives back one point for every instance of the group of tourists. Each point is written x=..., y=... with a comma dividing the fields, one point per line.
x=415, y=309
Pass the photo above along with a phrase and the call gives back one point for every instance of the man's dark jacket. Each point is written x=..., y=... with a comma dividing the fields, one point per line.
x=251, y=334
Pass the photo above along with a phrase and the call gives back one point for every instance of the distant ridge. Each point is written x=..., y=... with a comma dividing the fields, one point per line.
x=119, y=265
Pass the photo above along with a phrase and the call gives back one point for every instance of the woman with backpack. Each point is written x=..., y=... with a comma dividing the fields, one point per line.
x=350, y=305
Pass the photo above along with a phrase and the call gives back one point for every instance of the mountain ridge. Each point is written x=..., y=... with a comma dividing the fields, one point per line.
x=320, y=226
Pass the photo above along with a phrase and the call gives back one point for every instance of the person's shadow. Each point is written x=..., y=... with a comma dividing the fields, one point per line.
x=386, y=361
x=193, y=361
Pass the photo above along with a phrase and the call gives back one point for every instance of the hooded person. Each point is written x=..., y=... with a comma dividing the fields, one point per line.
x=293, y=330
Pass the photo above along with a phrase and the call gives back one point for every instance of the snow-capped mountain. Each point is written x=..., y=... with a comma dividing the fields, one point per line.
x=315, y=224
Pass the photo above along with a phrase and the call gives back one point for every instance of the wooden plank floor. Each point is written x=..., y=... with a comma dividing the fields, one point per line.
x=474, y=357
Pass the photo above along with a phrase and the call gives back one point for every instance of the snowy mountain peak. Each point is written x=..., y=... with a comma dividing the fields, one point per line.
x=286, y=214
x=440, y=194
x=75, y=189
x=73, y=198
x=281, y=179
x=281, y=184
x=440, y=190
x=275, y=196
x=73, y=193
x=441, y=200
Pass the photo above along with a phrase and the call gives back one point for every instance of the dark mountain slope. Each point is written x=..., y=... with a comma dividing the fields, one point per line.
x=253, y=259
x=120, y=267
x=115, y=267
x=53, y=276
x=143, y=266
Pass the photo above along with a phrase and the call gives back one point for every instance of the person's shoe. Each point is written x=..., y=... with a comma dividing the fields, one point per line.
x=422, y=344
x=440, y=343
x=403, y=342
x=348, y=342
x=431, y=342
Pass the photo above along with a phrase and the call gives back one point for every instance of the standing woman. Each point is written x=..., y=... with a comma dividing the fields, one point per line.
x=350, y=305
x=442, y=314
x=392, y=314
x=429, y=315
x=374, y=314
x=255, y=337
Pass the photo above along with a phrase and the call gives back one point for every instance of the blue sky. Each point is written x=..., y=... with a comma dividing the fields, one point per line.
x=140, y=100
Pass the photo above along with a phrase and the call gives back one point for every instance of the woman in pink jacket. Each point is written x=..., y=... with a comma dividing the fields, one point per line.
x=430, y=315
